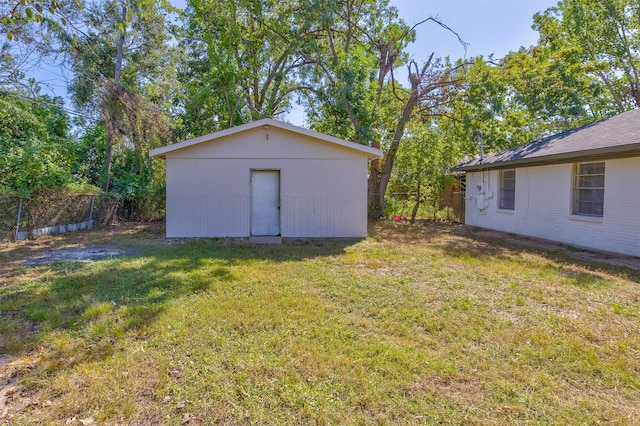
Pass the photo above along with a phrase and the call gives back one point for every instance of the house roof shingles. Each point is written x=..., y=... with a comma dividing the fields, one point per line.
x=618, y=135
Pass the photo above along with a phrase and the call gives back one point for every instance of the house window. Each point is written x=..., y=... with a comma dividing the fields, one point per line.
x=588, y=189
x=507, y=189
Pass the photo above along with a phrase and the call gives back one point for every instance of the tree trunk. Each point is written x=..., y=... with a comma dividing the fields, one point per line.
x=417, y=92
x=384, y=175
x=373, y=186
x=414, y=212
x=111, y=104
x=116, y=77
x=613, y=92
x=107, y=163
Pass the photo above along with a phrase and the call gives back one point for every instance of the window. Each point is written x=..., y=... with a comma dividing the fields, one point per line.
x=588, y=189
x=507, y=189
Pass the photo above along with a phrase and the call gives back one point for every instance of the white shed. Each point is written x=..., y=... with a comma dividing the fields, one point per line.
x=580, y=187
x=266, y=178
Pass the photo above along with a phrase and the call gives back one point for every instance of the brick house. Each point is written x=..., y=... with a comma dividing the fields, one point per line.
x=580, y=187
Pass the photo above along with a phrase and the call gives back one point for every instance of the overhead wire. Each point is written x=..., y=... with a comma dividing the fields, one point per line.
x=44, y=103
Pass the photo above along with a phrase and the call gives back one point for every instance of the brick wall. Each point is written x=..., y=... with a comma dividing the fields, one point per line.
x=543, y=206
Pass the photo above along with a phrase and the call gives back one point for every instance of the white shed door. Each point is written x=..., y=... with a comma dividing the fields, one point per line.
x=265, y=202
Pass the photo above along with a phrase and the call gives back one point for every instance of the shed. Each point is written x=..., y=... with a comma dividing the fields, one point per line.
x=266, y=179
x=580, y=187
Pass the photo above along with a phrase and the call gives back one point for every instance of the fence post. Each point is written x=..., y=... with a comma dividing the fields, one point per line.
x=18, y=221
x=93, y=197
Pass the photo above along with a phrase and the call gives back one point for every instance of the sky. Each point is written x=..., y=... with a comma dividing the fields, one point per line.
x=488, y=26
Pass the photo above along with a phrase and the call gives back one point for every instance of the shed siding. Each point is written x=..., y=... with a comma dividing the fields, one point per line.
x=543, y=206
x=267, y=144
x=323, y=188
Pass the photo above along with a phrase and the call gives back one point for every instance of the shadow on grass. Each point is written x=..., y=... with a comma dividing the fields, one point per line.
x=477, y=244
x=485, y=244
x=95, y=304
x=421, y=232
x=583, y=279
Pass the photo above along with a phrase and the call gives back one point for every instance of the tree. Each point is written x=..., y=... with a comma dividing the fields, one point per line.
x=361, y=44
x=124, y=76
x=36, y=150
x=600, y=36
x=245, y=58
x=528, y=94
x=584, y=68
x=422, y=164
x=15, y=15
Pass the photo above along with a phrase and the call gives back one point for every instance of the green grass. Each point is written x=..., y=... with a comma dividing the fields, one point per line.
x=414, y=325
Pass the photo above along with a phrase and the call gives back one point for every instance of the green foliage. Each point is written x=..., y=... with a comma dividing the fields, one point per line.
x=36, y=151
x=137, y=181
x=245, y=57
x=584, y=68
x=136, y=110
x=600, y=39
x=80, y=187
x=15, y=14
x=358, y=45
x=421, y=167
x=32, y=28
x=90, y=149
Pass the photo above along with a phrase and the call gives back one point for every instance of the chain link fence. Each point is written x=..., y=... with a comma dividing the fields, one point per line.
x=54, y=212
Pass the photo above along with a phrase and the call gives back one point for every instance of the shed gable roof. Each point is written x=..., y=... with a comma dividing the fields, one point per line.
x=619, y=134
x=372, y=153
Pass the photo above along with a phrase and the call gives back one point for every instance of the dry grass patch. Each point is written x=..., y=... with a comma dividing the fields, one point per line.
x=416, y=324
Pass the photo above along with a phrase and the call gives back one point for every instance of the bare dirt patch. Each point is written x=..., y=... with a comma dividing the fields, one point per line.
x=454, y=388
x=12, y=397
x=88, y=253
x=82, y=246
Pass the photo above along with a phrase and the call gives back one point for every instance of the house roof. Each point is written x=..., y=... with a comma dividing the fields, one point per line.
x=372, y=153
x=615, y=136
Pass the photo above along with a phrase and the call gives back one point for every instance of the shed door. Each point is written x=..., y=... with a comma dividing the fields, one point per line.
x=265, y=202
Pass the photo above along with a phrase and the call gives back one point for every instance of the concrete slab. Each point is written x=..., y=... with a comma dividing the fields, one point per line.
x=266, y=240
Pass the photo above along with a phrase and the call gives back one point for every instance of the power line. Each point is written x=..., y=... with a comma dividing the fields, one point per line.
x=44, y=104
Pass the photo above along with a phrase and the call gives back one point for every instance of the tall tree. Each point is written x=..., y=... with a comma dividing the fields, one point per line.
x=124, y=75
x=245, y=57
x=362, y=44
x=602, y=37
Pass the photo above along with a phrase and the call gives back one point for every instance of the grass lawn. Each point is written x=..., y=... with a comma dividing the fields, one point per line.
x=417, y=324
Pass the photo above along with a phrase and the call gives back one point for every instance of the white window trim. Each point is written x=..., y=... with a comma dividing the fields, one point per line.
x=586, y=218
x=500, y=183
x=583, y=216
